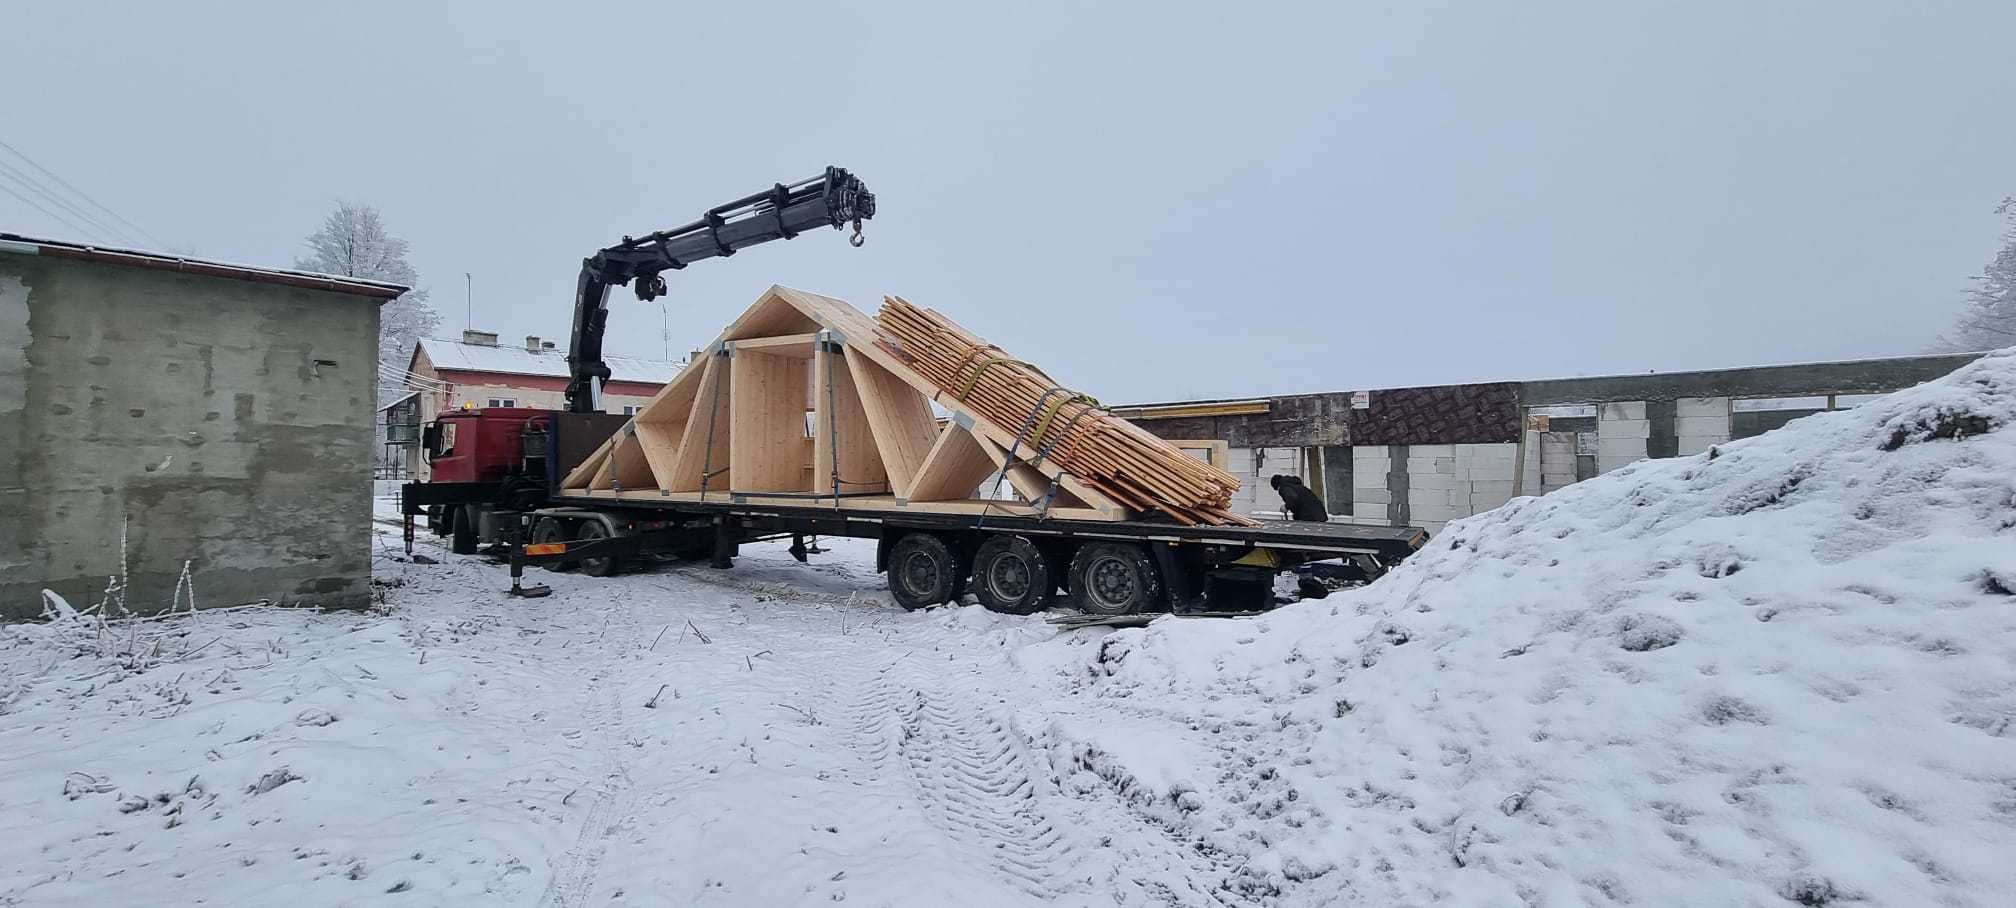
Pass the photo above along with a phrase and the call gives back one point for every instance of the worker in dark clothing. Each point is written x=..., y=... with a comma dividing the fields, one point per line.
x=1298, y=501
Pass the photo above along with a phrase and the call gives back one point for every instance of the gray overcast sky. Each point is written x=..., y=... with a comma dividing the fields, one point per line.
x=1165, y=201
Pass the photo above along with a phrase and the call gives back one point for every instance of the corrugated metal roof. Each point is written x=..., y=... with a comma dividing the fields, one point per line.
x=158, y=261
x=510, y=359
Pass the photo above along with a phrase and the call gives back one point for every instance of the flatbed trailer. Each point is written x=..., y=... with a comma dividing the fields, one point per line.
x=1012, y=563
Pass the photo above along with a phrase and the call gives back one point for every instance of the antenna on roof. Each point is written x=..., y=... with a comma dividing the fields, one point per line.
x=468, y=299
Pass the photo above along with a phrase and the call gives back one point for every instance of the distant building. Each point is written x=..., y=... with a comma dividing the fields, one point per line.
x=398, y=431
x=1429, y=455
x=477, y=372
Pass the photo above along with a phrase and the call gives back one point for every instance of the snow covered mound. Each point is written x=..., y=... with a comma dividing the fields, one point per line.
x=1782, y=671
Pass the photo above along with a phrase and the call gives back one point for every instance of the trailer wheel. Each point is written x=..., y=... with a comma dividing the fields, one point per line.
x=600, y=566
x=553, y=529
x=1011, y=575
x=1115, y=578
x=924, y=571
x=462, y=539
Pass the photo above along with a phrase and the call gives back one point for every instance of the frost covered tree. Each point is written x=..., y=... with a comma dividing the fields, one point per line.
x=352, y=242
x=1989, y=321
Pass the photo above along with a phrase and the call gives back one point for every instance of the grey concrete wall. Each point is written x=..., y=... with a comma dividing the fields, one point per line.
x=221, y=423
x=1847, y=377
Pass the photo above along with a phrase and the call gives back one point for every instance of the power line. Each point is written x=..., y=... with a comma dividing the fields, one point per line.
x=419, y=382
x=33, y=204
x=100, y=228
x=425, y=381
x=80, y=194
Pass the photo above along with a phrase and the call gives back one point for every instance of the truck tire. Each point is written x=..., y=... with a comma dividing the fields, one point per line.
x=1012, y=576
x=553, y=529
x=462, y=538
x=924, y=571
x=602, y=566
x=1115, y=578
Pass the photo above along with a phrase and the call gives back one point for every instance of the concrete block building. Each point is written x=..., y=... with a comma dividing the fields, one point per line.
x=1426, y=456
x=161, y=414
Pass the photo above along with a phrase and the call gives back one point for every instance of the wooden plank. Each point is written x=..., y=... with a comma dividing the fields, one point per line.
x=660, y=445
x=781, y=345
x=629, y=468
x=662, y=422
x=846, y=427
x=874, y=503
x=605, y=475
x=861, y=333
x=773, y=314
x=900, y=417
x=955, y=467
x=1023, y=478
x=766, y=402
x=1218, y=452
x=584, y=474
x=710, y=410
x=1092, y=497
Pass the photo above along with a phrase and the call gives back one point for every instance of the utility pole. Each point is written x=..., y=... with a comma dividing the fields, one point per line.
x=468, y=300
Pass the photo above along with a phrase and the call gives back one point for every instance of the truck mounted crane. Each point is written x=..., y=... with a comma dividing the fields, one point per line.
x=833, y=199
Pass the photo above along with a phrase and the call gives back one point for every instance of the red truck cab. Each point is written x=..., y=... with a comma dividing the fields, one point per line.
x=484, y=445
x=482, y=463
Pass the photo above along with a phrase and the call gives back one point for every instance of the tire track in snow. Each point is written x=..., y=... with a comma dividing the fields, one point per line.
x=969, y=771
x=574, y=875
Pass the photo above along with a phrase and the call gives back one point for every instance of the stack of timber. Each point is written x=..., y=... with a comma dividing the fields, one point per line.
x=806, y=401
x=1108, y=453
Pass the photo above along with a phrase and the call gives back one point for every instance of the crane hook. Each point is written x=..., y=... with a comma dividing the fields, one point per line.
x=857, y=239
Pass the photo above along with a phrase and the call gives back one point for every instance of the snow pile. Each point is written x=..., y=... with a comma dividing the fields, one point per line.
x=1784, y=670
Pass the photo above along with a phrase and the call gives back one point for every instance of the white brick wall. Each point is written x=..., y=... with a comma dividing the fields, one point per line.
x=1627, y=449
x=1255, y=467
x=1703, y=422
x=1702, y=426
x=1621, y=431
x=1701, y=406
x=1621, y=410
x=1557, y=461
x=1441, y=482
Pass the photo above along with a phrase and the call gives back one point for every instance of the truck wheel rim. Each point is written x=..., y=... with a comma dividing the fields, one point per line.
x=920, y=571
x=1112, y=582
x=1009, y=577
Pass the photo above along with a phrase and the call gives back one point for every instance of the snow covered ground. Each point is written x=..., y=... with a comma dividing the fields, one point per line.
x=778, y=734
x=1781, y=674
x=1783, y=671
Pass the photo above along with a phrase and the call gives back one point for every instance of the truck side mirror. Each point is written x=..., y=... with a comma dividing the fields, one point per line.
x=430, y=439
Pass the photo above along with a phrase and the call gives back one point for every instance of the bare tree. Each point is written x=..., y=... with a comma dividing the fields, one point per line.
x=352, y=242
x=1990, y=319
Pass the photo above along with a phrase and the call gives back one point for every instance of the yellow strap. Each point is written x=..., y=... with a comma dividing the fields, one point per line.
x=982, y=368
x=1050, y=413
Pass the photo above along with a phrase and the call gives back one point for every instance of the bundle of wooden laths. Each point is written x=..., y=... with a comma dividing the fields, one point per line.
x=1059, y=425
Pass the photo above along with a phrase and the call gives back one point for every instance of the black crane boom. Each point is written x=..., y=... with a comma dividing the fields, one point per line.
x=833, y=199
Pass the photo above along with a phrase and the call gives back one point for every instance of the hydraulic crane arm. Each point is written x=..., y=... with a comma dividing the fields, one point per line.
x=832, y=199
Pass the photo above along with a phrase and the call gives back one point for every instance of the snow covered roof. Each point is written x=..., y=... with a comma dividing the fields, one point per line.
x=396, y=401
x=511, y=359
x=27, y=245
